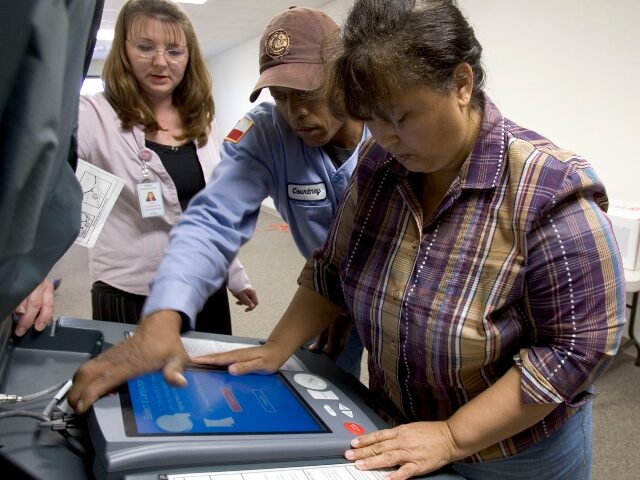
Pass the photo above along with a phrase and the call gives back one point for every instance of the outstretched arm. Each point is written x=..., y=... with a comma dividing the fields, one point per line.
x=156, y=345
x=307, y=315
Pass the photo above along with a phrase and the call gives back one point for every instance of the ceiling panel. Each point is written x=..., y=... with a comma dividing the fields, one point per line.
x=220, y=24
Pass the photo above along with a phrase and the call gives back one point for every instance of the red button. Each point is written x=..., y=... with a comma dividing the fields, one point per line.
x=354, y=428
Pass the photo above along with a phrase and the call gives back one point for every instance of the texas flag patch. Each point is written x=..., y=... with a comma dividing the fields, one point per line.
x=237, y=132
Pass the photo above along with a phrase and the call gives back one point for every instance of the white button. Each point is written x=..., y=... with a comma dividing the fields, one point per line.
x=326, y=395
x=310, y=381
x=330, y=410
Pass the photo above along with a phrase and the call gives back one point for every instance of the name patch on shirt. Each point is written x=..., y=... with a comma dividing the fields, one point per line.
x=239, y=131
x=309, y=193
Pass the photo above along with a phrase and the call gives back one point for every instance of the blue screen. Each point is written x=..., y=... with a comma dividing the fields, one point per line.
x=215, y=403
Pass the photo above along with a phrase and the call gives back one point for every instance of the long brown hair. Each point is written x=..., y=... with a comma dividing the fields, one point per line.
x=192, y=97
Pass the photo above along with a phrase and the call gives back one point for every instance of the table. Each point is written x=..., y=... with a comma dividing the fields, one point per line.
x=632, y=280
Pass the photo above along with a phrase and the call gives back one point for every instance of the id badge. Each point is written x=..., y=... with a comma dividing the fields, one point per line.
x=150, y=199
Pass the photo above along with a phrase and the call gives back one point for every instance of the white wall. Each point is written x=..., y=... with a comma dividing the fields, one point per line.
x=568, y=69
x=234, y=72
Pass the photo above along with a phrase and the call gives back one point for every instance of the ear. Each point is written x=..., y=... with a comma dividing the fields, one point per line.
x=463, y=80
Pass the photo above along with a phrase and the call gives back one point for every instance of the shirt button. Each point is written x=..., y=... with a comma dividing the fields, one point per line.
x=414, y=244
x=396, y=294
x=336, y=178
x=393, y=346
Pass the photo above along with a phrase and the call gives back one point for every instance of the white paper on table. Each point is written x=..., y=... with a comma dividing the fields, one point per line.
x=196, y=347
x=100, y=191
x=341, y=471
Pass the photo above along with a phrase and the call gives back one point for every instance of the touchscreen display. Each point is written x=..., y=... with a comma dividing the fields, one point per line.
x=215, y=403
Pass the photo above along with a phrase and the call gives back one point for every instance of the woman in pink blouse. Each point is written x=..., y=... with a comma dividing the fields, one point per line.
x=153, y=127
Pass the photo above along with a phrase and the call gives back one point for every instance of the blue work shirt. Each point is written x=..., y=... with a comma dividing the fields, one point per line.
x=266, y=158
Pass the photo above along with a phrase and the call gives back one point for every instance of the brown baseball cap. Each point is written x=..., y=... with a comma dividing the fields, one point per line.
x=291, y=50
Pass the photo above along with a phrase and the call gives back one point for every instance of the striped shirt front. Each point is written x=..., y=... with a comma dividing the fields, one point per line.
x=518, y=264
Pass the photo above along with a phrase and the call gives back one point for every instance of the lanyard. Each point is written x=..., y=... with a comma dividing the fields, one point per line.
x=149, y=193
x=144, y=156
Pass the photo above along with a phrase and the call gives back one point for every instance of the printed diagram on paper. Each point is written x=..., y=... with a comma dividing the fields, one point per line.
x=100, y=191
x=343, y=471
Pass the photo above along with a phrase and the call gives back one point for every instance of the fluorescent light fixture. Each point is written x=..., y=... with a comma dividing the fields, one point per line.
x=105, y=34
x=197, y=2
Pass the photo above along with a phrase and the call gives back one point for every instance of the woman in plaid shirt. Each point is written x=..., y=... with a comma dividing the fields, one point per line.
x=474, y=255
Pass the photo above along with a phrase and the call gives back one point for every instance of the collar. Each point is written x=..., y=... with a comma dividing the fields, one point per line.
x=485, y=165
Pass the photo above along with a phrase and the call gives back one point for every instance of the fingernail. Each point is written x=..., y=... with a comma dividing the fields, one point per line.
x=349, y=454
x=182, y=378
x=360, y=463
x=20, y=331
x=80, y=406
x=355, y=442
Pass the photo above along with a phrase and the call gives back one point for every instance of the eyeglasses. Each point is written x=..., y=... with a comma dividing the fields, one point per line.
x=173, y=55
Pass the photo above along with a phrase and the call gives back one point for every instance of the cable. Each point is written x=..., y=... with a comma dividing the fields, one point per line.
x=74, y=443
x=62, y=423
x=58, y=421
x=23, y=413
x=11, y=399
x=34, y=396
x=57, y=398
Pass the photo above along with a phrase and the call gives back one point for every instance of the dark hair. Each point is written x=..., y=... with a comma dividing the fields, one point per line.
x=389, y=45
x=193, y=96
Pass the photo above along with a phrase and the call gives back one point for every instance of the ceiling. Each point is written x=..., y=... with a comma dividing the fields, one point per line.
x=220, y=24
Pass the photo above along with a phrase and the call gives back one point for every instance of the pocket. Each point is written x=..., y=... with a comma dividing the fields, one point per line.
x=313, y=217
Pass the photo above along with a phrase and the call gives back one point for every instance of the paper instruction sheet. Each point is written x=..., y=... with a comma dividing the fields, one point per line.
x=100, y=191
x=197, y=347
x=340, y=471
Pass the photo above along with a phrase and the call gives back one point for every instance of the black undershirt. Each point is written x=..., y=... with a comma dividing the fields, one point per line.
x=338, y=155
x=182, y=165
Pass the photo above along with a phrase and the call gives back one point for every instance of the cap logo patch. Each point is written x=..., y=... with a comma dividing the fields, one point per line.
x=277, y=44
